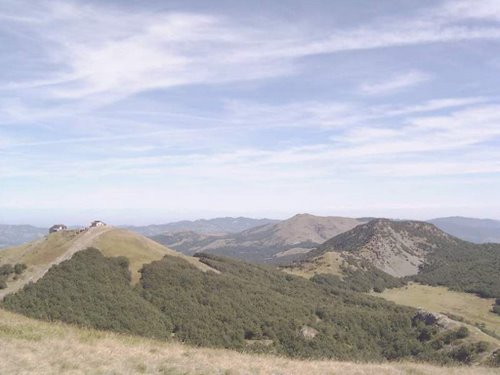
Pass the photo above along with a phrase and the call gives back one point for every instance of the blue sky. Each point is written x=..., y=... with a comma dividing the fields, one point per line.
x=140, y=112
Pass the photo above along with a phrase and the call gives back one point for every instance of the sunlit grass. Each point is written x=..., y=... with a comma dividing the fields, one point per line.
x=31, y=346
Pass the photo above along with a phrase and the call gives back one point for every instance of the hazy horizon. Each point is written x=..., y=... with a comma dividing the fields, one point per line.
x=140, y=113
x=138, y=218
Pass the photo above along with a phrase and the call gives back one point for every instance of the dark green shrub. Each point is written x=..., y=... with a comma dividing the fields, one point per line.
x=90, y=290
x=3, y=282
x=464, y=354
x=462, y=332
x=19, y=268
x=457, y=334
x=482, y=346
x=465, y=267
x=496, y=306
x=6, y=270
x=427, y=333
x=242, y=302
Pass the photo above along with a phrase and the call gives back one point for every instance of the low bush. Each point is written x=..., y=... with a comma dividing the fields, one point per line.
x=496, y=306
x=467, y=353
x=3, y=281
x=90, y=290
x=6, y=270
x=19, y=268
x=243, y=302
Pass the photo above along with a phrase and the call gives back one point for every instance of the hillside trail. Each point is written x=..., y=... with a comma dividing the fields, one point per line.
x=36, y=272
x=81, y=242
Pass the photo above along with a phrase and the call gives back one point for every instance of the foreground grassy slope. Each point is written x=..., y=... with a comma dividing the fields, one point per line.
x=33, y=347
x=442, y=300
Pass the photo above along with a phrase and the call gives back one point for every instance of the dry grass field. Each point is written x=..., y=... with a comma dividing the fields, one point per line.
x=442, y=300
x=328, y=263
x=32, y=347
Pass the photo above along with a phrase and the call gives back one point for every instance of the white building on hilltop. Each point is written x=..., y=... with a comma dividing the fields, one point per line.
x=57, y=228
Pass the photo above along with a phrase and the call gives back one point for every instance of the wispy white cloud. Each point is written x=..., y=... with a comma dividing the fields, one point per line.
x=395, y=83
x=107, y=52
x=457, y=137
x=463, y=9
x=73, y=110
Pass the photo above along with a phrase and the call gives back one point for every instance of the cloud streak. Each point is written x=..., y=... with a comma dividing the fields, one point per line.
x=113, y=54
x=180, y=99
x=395, y=83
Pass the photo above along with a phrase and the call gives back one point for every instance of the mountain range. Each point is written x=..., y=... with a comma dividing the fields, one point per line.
x=271, y=243
x=113, y=279
x=196, y=233
x=220, y=225
x=468, y=229
x=11, y=235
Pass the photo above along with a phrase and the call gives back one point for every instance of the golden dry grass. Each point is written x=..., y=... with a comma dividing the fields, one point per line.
x=138, y=249
x=41, y=254
x=443, y=300
x=28, y=346
x=328, y=263
x=41, y=251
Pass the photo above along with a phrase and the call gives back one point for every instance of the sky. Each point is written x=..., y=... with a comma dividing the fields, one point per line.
x=147, y=112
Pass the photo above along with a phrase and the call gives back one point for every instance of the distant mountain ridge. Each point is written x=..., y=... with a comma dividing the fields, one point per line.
x=271, y=243
x=11, y=235
x=470, y=229
x=220, y=225
x=188, y=242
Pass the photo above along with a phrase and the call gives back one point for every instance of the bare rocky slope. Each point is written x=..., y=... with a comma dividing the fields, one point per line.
x=272, y=243
x=398, y=248
x=413, y=249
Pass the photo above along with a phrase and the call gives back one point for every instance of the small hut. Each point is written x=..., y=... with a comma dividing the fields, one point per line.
x=97, y=223
x=57, y=228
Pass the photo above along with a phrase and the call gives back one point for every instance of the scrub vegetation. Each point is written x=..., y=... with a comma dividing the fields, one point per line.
x=245, y=307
